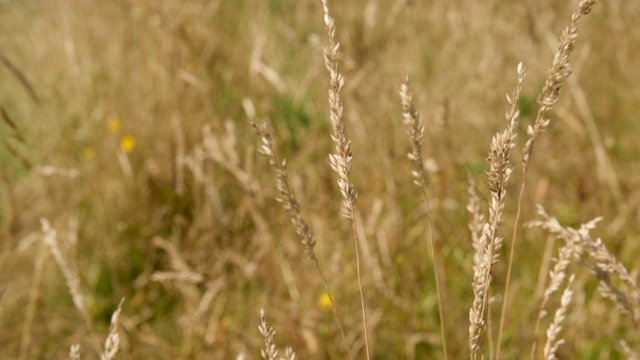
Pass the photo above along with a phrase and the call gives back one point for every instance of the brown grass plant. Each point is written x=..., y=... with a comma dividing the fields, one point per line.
x=558, y=72
x=290, y=203
x=415, y=131
x=341, y=160
x=498, y=177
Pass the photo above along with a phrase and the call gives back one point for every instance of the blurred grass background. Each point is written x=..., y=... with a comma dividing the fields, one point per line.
x=123, y=89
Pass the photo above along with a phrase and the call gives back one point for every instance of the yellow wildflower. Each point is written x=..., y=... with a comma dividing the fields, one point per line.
x=113, y=125
x=324, y=302
x=127, y=143
x=89, y=153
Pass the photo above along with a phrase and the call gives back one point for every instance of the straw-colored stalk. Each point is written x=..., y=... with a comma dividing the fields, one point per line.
x=559, y=71
x=499, y=174
x=341, y=160
x=291, y=204
x=411, y=120
x=70, y=272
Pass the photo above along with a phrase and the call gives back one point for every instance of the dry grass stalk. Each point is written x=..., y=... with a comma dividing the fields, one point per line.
x=557, y=276
x=411, y=120
x=573, y=248
x=112, y=343
x=376, y=270
x=270, y=352
x=15, y=136
x=34, y=292
x=74, y=352
x=181, y=271
x=630, y=354
x=498, y=177
x=70, y=272
x=291, y=204
x=594, y=255
x=186, y=277
x=512, y=116
x=221, y=149
x=554, y=329
x=559, y=71
x=341, y=160
x=20, y=75
x=288, y=200
x=606, y=265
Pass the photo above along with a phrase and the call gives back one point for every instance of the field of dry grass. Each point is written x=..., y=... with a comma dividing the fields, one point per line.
x=142, y=156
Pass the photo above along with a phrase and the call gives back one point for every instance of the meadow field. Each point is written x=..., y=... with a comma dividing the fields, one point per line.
x=147, y=210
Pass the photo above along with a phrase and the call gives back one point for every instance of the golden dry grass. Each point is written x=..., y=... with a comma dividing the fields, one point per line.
x=136, y=141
